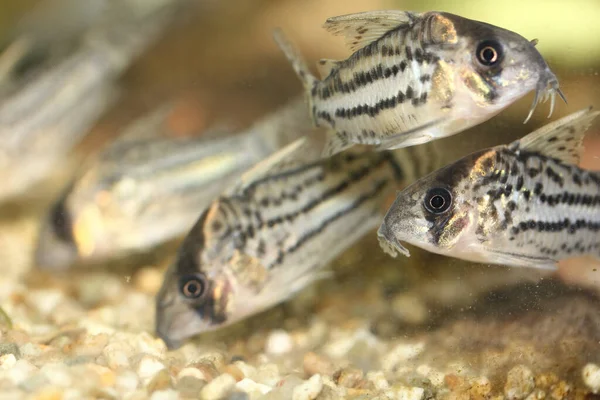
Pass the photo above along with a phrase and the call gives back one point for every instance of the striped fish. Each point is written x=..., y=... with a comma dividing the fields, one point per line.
x=416, y=77
x=523, y=204
x=267, y=238
x=146, y=189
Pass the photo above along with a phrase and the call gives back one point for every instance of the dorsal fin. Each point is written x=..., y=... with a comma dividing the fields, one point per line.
x=363, y=28
x=325, y=66
x=300, y=152
x=562, y=139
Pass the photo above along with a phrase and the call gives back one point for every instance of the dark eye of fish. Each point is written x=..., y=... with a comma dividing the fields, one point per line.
x=192, y=287
x=61, y=222
x=489, y=53
x=438, y=200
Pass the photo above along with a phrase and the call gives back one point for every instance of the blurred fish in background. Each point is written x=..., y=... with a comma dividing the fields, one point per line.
x=59, y=75
x=146, y=188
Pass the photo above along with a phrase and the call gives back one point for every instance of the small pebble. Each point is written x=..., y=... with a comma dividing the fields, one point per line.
x=168, y=394
x=253, y=389
x=7, y=361
x=10, y=348
x=409, y=308
x=22, y=370
x=218, y=387
x=126, y=382
x=160, y=381
x=316, y=364
x=591, y=377
x=268, y=374
x=405, y=393
x=190, y=386
x=519, y=383
x=377, y=378
x=57, y=374
x=308, y=390
x=148, y=367
x=279, y=342
x=348, y=377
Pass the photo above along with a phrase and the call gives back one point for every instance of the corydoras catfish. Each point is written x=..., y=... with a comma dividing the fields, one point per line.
x=522, y=204
x=416, y=77
x=270, y=236
x=146, y=189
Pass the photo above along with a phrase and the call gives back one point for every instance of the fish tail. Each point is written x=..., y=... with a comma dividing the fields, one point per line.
x=298, y=63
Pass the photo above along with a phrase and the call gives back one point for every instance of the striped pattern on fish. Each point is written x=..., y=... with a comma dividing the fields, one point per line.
x=271, y=234
x=523, y=204
x=415, y=77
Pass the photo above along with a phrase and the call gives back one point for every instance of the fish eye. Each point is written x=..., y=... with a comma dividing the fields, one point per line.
x=438, y=200
x=489, y=52
x=192, y=287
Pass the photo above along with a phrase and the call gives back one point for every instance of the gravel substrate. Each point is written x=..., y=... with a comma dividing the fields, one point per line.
x=377, y=330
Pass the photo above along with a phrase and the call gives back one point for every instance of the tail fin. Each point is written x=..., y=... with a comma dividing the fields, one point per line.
x=296, y=59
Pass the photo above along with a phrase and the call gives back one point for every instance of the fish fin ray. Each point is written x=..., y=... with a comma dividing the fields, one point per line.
x=361, y=29
x=325, y=66
x=562, y=139
x=335, y=143
x=521, y=260
x=411, y=137
x=295, y=58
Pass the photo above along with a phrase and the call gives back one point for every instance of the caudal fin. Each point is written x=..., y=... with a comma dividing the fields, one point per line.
x=295, y=58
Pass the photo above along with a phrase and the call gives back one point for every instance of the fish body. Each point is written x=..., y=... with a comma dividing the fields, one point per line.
x=524, y=204
x=146, y=189
x=47, y=111
x=267, y=238
x=416, y=77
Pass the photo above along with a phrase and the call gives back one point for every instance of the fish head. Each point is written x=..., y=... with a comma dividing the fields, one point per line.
x=56, y=248
x=435, y=213
x=211, y=284
x=496, y=66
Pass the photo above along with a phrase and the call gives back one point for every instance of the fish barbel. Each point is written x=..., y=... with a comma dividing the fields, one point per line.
x=146, y=189
x=417, y=77
x=522, y=204
x=269, y=236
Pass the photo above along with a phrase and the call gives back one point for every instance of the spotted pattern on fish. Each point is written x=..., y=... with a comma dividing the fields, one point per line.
x=540, y=202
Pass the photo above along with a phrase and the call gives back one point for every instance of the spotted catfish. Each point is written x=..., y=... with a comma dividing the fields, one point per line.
x=416, y=77
x=523, y=204
x=266, y=239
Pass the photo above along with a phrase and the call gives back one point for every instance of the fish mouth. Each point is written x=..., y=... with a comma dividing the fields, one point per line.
x=389, y=244
x=546, y=89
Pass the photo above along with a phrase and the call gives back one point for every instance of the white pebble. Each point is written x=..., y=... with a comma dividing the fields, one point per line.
x=148, y=367
x=57, y=374
x=308, y=390
x=268, y=374
x=377, y=378
x=168, y=394
x=400, y=354
x=591, y=377
x=126, y=382
x=148, y=344
x=22, y=370
x=248, y=370
x=44, y=301
x=7, y=361
x=218, y=387
x=30, y=350
x=117, y=354
x=279, y=342
x=190, y=371
x=254, y=390
x=405, y=393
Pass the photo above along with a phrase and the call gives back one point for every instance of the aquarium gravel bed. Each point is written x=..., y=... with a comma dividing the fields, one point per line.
x=370, y=331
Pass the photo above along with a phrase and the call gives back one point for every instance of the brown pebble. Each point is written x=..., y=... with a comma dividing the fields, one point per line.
x=207, y=368
x=317, y=364
x=160, y=381
x=348, y=377
x=453, y=381
x=545, y=381
x=560, y=391
x=480, y=390
x=234, y=371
